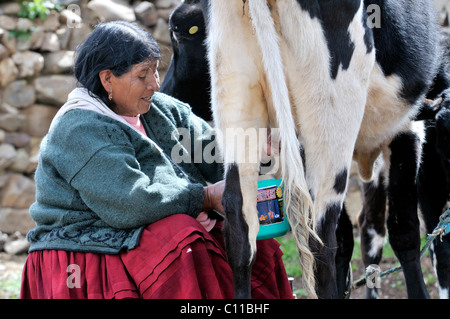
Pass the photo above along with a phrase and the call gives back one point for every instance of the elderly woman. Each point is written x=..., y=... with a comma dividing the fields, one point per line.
x=116, y=216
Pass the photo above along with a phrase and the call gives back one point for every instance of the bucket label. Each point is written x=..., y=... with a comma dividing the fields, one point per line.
x=269, y=205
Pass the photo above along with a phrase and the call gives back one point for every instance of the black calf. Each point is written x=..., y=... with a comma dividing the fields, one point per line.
x=403, y=224
x=434, y=188
x=187, y=78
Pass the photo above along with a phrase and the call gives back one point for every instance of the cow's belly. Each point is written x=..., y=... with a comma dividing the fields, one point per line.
x=386, y=114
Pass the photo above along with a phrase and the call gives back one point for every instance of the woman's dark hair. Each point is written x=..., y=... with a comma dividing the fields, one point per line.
x=116, y=46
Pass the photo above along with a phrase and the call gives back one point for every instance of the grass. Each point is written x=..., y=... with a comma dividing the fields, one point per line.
x=10, y=285
x=11, y=288
x=290, y=255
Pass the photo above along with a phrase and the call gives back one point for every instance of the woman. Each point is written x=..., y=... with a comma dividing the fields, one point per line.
x=115, y=216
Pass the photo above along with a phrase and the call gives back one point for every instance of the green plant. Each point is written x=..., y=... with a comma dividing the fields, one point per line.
x=290, y=255
x=20, y=34
x=37, y=8
x=10, y=285
x=32, y=10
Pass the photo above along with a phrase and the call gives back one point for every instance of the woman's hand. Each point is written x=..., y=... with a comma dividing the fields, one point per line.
x=213, y=197
x=213, y=200
x=208, y=223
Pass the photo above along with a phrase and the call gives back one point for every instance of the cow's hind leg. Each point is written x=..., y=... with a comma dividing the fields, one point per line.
x=403, y=221
x=329, y=107
x=239, y=201
x=242, y=147
x=328, y=179
x=236, y=232
x=239, y=108
x=345, y=243
x=326, y=253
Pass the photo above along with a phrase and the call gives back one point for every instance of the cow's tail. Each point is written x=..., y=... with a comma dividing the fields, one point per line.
x=297, y=199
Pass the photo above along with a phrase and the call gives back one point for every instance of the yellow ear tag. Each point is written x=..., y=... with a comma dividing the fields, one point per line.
x=193, y=30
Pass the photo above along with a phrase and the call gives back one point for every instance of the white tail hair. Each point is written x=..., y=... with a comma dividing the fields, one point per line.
x=298, y=203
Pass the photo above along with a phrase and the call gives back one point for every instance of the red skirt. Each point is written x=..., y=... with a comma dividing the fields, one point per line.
x=175, y=259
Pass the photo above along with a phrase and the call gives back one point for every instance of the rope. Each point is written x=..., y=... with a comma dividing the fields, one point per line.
x=442, y=229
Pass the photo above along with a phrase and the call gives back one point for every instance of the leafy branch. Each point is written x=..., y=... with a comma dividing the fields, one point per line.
x=37, y=8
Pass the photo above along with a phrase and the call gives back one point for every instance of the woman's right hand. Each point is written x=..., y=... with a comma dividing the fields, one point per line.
x=213, y=197
x=205, y=221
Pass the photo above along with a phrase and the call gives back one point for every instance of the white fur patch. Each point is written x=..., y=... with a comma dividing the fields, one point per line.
x=443, y=293
x=376, y=243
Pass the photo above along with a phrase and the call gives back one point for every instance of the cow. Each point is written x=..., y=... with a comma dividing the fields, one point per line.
x=337, y=88
x=429, y=195
x=433, y=191
x=433, y=181
x=187, y=77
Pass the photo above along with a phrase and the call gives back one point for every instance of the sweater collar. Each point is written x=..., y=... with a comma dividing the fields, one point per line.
x=81, y=99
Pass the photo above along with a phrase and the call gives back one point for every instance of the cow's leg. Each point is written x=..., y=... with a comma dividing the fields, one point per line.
x=328, y=201
x=402, y=220
x=440, y=255
x=372, y=224
x=345, y=243
x=242, y=146
x=432, y=194
x=329, y=105
x=239, y=111
x=327, y=179
x=241, y=226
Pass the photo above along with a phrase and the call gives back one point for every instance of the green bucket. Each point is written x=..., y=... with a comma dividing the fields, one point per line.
x=273, y=221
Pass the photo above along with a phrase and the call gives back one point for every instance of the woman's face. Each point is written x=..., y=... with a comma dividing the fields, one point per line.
x=132, y=92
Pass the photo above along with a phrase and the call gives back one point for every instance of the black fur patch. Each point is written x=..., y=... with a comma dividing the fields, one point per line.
x=326, y=254
x=335, y=17
x=410, y=55
x=345, y=244
x=341, y=181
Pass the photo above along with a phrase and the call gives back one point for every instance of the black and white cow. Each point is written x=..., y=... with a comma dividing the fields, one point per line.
x=433, y=191
x=187, y=77
x=336, y=90
x=433, y=182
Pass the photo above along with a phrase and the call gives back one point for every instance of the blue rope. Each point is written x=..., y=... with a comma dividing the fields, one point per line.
x=442, y=229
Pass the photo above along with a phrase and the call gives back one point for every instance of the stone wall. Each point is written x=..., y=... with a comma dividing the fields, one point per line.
x=443, y=9
x=36, y=77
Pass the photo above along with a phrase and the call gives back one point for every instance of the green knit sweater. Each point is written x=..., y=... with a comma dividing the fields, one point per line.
x=99, y=182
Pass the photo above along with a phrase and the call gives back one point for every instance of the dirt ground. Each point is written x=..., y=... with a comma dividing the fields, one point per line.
x=393, y=285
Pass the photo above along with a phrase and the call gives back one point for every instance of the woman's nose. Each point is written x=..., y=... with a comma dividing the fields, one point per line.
x=154, y=83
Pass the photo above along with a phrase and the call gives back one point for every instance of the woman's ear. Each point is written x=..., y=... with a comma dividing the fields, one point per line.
x=105, y=78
